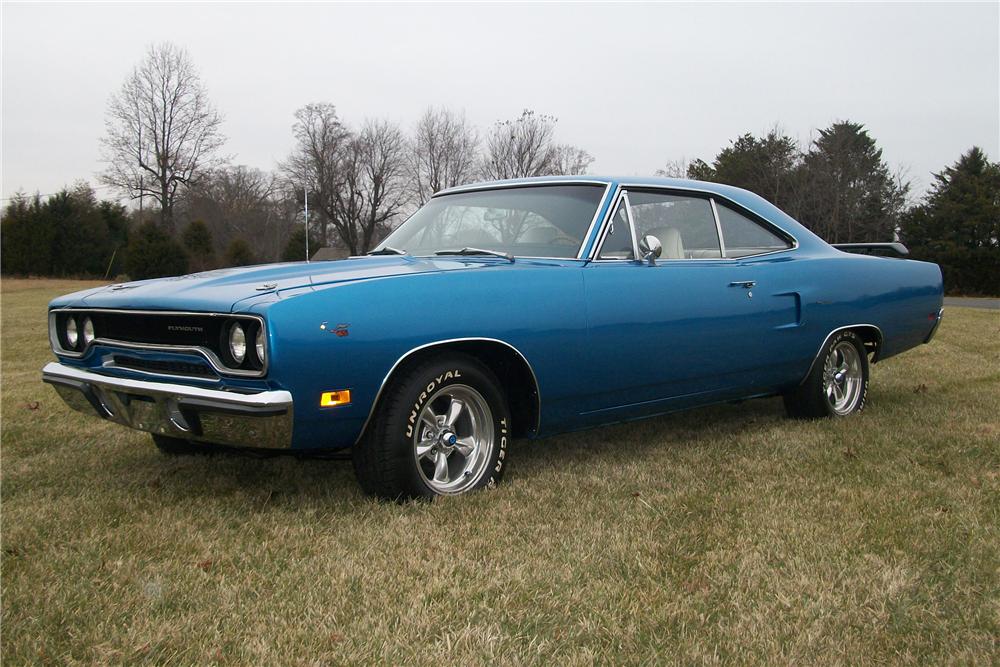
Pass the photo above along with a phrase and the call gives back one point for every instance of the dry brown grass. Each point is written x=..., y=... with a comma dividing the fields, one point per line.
x=723, y=535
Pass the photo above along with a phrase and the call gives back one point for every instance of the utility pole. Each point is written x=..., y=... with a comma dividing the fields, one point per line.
x=305, y=191
x=141, y=173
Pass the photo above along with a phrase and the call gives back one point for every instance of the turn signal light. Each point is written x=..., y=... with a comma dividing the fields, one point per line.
x=330, y=399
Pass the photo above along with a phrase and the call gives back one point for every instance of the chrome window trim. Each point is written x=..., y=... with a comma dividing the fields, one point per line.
x=593, y=255
x=621, y=196
x=392, y=369
x=718, y=228
x=769, y=226
x=463, y=189
x=631, y=225
x=209, y=356
x=500, y=185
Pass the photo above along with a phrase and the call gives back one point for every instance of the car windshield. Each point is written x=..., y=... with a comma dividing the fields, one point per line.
x=535, y=221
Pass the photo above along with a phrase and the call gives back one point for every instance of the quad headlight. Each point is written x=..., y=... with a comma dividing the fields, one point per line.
x=72, y=333
x=259, y=344
x=88, y=331
x=238, y=343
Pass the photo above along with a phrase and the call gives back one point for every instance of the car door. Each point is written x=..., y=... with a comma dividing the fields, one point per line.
x=690, y=328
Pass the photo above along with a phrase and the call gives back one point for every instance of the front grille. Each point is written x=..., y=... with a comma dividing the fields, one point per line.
x=170, y=367
x=205, y=333
x=160, y=329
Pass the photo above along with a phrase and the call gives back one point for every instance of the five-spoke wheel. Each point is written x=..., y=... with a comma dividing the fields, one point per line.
x=837, y=385
x=441, y=428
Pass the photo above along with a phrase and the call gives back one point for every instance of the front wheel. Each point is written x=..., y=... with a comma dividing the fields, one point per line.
x=442, y=428
x=838, y=382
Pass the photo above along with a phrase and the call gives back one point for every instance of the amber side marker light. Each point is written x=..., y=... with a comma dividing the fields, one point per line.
x=331, y=399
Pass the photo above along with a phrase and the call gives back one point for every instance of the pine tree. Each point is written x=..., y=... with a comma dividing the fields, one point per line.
x=958, y=224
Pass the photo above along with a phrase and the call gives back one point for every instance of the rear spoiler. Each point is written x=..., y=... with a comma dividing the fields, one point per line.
x=873, y=248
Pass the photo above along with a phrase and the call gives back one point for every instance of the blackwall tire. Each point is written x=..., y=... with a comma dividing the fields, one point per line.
x=441, y=428
x=837, y=385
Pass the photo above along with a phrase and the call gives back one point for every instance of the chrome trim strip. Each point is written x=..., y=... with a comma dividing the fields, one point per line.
x=204, y=352
x=590, y=228
x=711, y=194
x=385, y=380
x=500, y=185
x=631, y=225
x=878, y=345
x=718, y=228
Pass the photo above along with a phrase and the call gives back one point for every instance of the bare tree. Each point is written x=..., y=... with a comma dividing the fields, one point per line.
x=316, y=161
x=161, y=130
x=443, y=153
x=570, y=160
x=674, y=169
x=521, y=147
x=371, y=190
x=246, y=203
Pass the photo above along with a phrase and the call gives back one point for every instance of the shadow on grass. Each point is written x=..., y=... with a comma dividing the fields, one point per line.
x=304, y=479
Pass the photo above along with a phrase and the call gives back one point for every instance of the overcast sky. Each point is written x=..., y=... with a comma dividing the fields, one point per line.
x=636, y=85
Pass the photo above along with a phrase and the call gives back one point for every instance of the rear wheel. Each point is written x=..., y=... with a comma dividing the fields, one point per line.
x=442, y=428
x=838, y=382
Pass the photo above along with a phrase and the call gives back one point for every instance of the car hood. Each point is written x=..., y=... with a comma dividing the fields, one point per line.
x=222, y=289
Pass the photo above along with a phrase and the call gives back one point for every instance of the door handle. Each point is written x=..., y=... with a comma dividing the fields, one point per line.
x=747, y=284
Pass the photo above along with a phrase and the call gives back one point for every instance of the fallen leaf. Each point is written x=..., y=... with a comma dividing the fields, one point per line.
x=849, y=453
x=205, y=564
x=920, y=389
x=336, y=637
x=635, y=494
x=32, y=405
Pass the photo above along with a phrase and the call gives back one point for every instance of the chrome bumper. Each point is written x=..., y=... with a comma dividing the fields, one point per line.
x=263, y=419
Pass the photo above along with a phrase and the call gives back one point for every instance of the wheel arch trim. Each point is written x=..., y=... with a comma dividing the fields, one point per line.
x=440, y=343
x=879, y=342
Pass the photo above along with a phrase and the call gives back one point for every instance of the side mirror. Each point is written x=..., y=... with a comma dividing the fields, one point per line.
x=650, y=248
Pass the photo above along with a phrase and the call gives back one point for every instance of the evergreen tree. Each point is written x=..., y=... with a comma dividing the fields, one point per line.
x=958, y=224
x=239, y=253
x=197, y=241
x=152, y=253
x=849, y=193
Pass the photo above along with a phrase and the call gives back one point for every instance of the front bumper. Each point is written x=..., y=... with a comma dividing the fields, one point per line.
x=262, y=419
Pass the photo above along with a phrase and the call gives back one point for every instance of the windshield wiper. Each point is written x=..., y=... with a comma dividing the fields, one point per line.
x=477, y=251
x=387, y=250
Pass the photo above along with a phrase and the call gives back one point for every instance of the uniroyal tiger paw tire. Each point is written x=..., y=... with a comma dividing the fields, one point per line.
x=442, y=427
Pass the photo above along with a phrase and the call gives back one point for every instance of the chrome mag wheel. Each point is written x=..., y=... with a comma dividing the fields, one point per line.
x=454, y=440
x=843, y=378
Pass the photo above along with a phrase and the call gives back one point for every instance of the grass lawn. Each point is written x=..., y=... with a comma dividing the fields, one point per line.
x=728, y=534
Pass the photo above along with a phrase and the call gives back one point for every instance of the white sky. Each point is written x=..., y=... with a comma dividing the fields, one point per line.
x=636, y=85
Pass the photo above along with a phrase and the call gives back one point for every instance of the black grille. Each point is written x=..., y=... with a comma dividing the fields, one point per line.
x=166, y=329
x=171, y=367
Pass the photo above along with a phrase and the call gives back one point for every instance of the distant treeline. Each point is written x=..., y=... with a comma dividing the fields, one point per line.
x=196, y=212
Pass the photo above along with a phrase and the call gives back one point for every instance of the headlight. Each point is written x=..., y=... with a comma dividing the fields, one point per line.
x=260, y=344
x=238, y=343
x=72, y=335
x=88, y=331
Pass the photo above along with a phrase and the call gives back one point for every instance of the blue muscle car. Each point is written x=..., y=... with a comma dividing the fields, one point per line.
x=500, y=310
